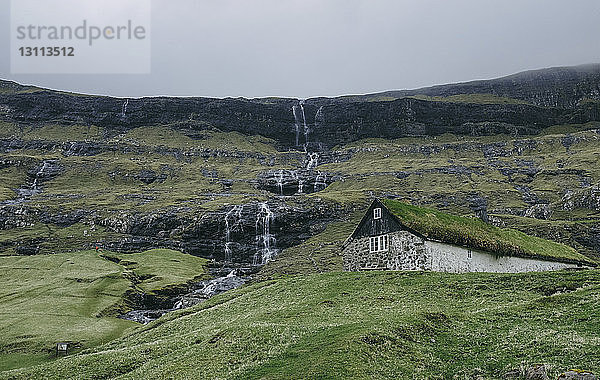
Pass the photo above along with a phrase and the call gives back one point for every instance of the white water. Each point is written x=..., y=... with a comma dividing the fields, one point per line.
x=265, y=241
x=300, y=182
x=233, y=220
x=319, y=116
x=320, y=182
x=313, y=161
x=38, y=175
x=296, y=125
x=280, y=182
x=124, y=108
x=70, y=151
x=304, y=120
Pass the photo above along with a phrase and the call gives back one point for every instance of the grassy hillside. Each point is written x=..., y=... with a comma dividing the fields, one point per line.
x=362, y=325
x=75, y=297
x=209, y=171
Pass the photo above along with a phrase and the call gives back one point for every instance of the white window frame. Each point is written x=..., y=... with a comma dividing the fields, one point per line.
x=379, y=243
x=469, y=254
x=377, y=213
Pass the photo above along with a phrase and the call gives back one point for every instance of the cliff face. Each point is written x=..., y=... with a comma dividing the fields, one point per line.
x=241, y=181
x=550, y=97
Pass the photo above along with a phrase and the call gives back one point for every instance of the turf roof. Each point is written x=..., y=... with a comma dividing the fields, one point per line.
x=476, y=234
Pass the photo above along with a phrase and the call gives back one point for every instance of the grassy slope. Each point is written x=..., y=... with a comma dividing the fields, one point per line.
x=475, y=233
x=161, y=268
x=107, y=182
x=72, y=297
x=363, y=325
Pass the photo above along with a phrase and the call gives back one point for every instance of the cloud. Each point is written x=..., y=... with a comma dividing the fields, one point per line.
x=306, y=48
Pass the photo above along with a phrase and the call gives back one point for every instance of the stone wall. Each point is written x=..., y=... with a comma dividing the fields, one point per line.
x=406, y=252
x=410, y=252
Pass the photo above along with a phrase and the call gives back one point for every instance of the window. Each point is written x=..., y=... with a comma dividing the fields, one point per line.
x=469, y=254
x=379, y=243
x=377, y=213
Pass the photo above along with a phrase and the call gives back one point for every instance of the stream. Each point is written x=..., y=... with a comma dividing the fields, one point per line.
x=200, y=292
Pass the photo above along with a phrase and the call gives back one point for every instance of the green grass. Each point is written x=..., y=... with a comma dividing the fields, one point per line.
x=570, y=128
x=475, y=233
x=362, y=325
x=46, y=299
x=158, y=269
x=75, y=297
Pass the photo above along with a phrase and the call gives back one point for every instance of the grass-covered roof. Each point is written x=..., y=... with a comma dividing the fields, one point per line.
x=475, y=233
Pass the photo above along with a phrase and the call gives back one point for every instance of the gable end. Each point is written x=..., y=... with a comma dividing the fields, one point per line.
x=376, y=223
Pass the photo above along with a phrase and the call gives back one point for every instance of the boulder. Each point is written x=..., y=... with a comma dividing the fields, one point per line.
x=576, y=374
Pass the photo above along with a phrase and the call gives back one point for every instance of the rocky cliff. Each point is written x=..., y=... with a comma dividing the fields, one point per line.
x=249, y=181
x=548, y=97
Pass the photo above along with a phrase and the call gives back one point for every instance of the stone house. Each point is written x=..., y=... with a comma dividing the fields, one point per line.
x=394, y=235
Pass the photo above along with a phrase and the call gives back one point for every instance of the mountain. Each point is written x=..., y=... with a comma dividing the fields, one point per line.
x=274, y=186
x=561, y=87
x=520, y=104
x=239, y=180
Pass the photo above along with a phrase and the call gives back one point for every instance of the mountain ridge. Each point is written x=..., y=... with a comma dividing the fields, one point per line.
x=505, y=105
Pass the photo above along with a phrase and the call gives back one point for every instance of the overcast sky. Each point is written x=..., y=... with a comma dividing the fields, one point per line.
x=305, y=48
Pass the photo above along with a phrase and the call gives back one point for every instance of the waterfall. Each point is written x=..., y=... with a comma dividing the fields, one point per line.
x=265, y=241
x=40, y=172
x=320, y=182
x=313, y=161
x=304, y=120
x=296, y=125
x=124, y=108
x=300, y=182
x=70, y=151
x=319, y=115
x=233, y=220
x=280, y=182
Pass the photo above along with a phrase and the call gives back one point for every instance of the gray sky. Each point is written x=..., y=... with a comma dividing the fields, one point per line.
x=306, y=48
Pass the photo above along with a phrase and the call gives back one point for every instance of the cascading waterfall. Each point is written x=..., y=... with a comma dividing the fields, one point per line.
x=124, y=108
x=313, y=161
x=265, y=241
x=296, y=124
x=320, y=182
x=306, y=130
x=70, y=151
x=233, y=220
x=280, y=182
x=300, y=182
x=319, y=116
x=40, y=172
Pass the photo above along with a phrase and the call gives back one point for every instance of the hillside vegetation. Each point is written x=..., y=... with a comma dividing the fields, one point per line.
x=362, y=325
x=76, y=297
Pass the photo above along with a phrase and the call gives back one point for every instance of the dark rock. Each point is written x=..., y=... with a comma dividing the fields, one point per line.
x=290, y=182
x=539, y=211
x=27, y=250
x=479, y=206
x=83, y=148
x=149, y=176
x=536, y=372
x=64, y=219
x=339, y=120
x=575, y=374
